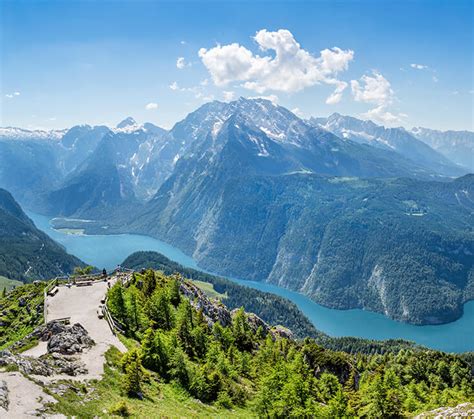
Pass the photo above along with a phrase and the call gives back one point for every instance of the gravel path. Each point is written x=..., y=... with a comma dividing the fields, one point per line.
x=21, y=406
x=80, y=304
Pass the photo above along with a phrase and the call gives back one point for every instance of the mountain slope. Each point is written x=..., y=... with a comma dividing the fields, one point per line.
x=344, y=242
x=458, y=146
x=25, y=252
x=395, y=139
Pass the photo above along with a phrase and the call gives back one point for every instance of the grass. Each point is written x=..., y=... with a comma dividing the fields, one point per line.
x=9, y=283
x=21, y=313
x=209, y=290
x=101, y=398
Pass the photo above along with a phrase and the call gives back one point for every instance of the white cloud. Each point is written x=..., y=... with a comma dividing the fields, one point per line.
x=336, y=96
x=380, y=114
x=228, y=95
x=288, y=69
x=419, y=66
x=183, y=42
x=377, y=90
x=12, y=95
x=297, y=112
x=435, y=79
x=272, y=98
x=181, y=63
x=372, y=89
x=174, y=86
x=150, y=106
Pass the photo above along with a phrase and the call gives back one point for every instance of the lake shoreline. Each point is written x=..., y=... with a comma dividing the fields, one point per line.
x=110, y=249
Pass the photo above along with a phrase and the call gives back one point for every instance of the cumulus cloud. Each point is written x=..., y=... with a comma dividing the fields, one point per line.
x=12, y=95
x=336, y=96
x=284, y=66
x=272, y=98
x=297, y=112
x=373, y=88
x=382, y=115
x=174, y=86
x=228, y=95
x=181, y=63
x=150, y=106
x=377, y=90
x=419, y=66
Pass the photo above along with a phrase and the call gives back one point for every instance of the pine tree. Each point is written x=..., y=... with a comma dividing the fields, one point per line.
x=155, y=352
x=116, y=303
x=149, y=284
x=175, y=297
x=134, y=307
x=184, y=327
x=241, y=330
x=159, y=310
x=134, y=374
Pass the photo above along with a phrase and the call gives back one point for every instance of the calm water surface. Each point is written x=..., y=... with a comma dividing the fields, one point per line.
x=109, y=250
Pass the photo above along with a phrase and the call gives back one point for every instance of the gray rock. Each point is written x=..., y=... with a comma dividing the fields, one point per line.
x=4, y=399
x=67, y=340
x=213, y=310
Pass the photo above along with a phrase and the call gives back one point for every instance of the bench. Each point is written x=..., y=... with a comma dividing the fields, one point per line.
x=63, y=320
x=52, y=292
x=83, y=284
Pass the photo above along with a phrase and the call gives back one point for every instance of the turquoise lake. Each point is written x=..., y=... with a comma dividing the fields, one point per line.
x=108, y=251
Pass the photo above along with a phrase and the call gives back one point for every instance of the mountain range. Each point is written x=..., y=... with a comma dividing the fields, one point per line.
x=348, y=212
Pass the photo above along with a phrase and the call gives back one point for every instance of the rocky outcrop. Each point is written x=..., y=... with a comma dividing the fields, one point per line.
x=281, y=332
x=63, y=339
x=464, y=410
x=213, y=311
x=63, y=342
x=46, y=365
x=4, y=399
x=68, y=340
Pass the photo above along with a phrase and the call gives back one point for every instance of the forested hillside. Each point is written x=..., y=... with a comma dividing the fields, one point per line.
x=271, y=308
x=27, y=253
x=231, y=359
x=401, y=247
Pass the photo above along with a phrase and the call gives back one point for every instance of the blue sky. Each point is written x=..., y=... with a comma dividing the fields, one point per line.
x=404, y=63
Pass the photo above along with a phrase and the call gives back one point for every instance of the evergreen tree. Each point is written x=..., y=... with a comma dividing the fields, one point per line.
x=159, y=310
x=155, y=352
x=175, y=297
x=116, y=302
x=134, y=374
x=184, y=327
x=134, y=308
x=149, y=282
x=241, y=330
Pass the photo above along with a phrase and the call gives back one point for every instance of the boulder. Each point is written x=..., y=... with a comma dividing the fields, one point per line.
x=281, y=332
x=69, y=340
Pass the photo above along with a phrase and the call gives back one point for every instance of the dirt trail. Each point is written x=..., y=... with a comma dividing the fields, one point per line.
x=80, y=304
x=21, y=406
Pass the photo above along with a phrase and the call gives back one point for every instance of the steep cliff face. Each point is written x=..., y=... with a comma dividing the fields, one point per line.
x=400, y=247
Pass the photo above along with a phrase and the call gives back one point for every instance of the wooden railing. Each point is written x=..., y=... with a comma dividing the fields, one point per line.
x=53, y=283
